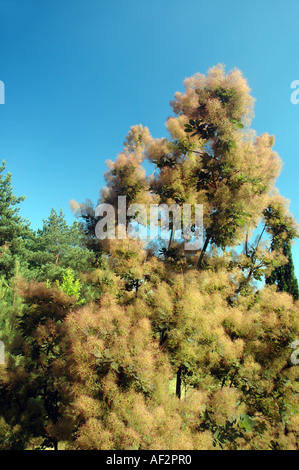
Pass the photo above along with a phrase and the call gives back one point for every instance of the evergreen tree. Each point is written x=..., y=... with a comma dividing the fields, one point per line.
x=283, y=230
x=284, y=276
x=14, y=230
x=57, y=247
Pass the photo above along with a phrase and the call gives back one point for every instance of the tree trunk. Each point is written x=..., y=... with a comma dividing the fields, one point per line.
x=170, y=239
x=163, y=337
x=204, y=249
x=179, y=382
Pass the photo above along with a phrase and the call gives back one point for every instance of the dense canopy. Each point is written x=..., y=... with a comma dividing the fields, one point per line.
x=126, y=343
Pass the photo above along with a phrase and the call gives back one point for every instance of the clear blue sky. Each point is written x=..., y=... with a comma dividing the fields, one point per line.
x=79, y=73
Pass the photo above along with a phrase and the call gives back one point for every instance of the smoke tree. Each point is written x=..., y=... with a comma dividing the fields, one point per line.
x=170, y=348
x=205, y=310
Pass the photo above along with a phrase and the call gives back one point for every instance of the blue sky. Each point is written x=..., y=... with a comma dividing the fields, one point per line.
x=79, y=73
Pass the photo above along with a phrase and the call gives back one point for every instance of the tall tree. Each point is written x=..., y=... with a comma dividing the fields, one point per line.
x=212, y=158
x=283, y=229
x=284, y=276
x=14, y=230
x=58, y=246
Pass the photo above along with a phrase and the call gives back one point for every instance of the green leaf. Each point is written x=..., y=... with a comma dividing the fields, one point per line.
x=246, y=422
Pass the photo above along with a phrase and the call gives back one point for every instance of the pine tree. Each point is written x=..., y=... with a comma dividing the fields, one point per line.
x=15, y=233
x=57, y=247
x=283, y=230
x=284, y=276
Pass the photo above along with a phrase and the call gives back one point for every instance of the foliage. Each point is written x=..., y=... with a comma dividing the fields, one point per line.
x=70, y=285
x=57, y=247
x=131, y=345
x=14, y=230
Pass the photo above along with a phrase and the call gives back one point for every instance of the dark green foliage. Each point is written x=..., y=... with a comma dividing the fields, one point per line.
x=283, y=231
x=14, y=230
x=201, y=128
x=57, y=247
x=284, y=276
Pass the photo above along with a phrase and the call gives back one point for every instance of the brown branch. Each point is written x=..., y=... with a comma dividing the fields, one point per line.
x=6, y=285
